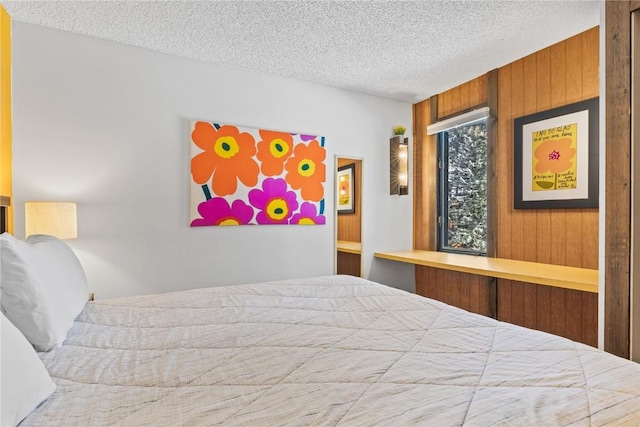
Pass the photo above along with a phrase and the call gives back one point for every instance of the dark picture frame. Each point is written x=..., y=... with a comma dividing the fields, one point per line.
x=346, y=186
x=556, y=158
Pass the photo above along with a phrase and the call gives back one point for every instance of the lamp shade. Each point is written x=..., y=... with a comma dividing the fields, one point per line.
x=57, y=219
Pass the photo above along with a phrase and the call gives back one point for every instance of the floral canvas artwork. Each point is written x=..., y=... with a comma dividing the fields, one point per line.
x=242, y=176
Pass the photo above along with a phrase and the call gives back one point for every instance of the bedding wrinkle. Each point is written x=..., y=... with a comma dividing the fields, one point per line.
x=403, y=413
x=484, y=368
x=584, y=378
x=331, y=351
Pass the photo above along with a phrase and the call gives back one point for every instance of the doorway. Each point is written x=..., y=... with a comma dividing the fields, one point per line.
x=349, y=216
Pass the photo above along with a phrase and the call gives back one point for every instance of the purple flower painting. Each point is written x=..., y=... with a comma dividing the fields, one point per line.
x=308, y=215
x=275, y=202
x=217, y=211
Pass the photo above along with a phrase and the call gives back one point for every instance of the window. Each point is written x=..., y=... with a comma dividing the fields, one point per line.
x=462, y=188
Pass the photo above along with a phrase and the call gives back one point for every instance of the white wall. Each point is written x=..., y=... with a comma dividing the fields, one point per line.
x=106, y=125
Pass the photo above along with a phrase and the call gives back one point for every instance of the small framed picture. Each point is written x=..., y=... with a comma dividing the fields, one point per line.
x=556, y=158
x=346, y=182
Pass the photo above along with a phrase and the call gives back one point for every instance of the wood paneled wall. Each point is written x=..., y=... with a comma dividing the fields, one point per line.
x=349, y=225
x=617, y=254
x=634, y=276
x=348, y=263
x=464, y=290
x=461, y=98
x=565, y=312
x=465, y=97
x=431, y=282
x=564, y=73
x=559, y=75
x=425, y=162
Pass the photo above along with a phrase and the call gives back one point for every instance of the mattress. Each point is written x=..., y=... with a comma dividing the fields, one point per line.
x=333, y=350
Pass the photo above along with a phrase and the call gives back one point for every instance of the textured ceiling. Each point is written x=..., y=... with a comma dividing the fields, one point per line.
x=395, y=49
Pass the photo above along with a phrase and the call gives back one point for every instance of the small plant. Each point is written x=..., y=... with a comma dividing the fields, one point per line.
x=399, y=130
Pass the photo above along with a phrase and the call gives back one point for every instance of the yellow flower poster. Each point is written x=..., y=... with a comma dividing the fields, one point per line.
x=555, y=155
x=554, y=158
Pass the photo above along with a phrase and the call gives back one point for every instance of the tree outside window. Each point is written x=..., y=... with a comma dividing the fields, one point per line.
x=462, y=207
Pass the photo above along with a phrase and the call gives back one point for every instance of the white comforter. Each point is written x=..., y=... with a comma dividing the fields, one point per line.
x=324, y=351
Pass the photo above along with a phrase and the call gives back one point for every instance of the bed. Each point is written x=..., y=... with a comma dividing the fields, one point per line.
x=335, y=350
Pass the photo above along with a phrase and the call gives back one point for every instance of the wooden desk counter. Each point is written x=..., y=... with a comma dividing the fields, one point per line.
x=580, y=279
x=349, y=247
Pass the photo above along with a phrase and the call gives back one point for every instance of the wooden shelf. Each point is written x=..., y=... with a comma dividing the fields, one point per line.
x=559, y=276
x=349, y=247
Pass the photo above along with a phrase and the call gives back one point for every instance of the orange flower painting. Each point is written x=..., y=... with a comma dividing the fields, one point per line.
x=306, y=170
x=244, y=176
x=227, y=158
x=273, y=150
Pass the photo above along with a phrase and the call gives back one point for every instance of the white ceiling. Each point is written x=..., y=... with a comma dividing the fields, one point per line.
x=404, y=50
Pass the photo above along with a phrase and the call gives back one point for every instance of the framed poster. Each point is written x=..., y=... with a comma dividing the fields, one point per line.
x=346, y=189
x=556, y=158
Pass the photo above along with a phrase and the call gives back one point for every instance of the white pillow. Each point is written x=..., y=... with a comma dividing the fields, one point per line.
x=43, y=288
x=25, y=382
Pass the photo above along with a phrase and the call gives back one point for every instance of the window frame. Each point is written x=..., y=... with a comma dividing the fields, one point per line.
x=442, y=211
